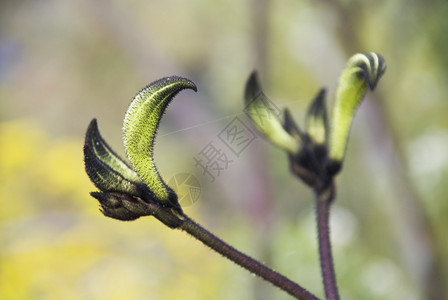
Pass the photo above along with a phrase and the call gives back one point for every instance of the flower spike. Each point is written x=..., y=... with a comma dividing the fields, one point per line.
x=363, y=70
x=260, y=111
x=139, y=130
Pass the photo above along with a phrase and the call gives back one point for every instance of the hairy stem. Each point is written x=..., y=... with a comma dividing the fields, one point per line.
x=245, y=261
x=324, y=199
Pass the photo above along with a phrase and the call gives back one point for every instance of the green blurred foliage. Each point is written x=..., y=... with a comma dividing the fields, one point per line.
x=64, y=62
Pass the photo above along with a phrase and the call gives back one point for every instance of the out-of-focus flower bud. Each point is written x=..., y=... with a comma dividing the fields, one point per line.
x=261, y=112
x=363, y=70
x=316, y=122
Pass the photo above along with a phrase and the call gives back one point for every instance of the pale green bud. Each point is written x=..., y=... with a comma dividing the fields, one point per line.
x=261, y=112
x=140, y=126
x=363, y=70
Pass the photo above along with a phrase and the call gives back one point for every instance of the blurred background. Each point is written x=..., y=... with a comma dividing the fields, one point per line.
x=63, y=63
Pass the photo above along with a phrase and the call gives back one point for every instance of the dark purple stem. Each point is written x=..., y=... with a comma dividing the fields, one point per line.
x=324, y=198
x=245, y=261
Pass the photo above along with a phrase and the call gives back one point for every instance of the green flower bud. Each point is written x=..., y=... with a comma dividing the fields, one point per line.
x=363, y=70
x=139, y=130
x=260, y=111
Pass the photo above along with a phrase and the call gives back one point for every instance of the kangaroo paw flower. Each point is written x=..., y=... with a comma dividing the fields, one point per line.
x=126, y=192
x=317, y=153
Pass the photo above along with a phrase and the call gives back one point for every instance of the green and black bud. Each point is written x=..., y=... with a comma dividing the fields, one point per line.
x=105, y=169
x=316, y=121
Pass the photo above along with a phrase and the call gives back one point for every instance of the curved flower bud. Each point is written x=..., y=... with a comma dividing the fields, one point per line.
x=106, y=170
x=363, y=70
x=260, y=111
x=139, y=129
x=316, y=123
